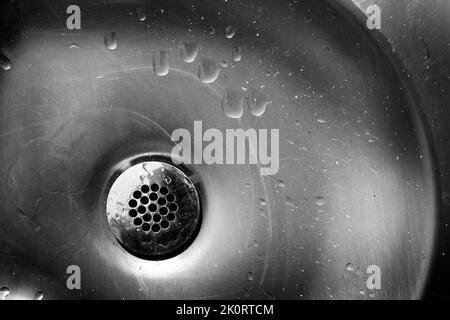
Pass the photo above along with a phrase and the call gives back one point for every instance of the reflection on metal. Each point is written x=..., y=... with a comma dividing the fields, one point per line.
x=355, y=186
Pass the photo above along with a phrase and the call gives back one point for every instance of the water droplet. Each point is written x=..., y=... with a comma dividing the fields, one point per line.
x=350, y=267
x=208, y=71
x=230, y=31
x=232, y=103
x=320, y=120
x=189, y=51
x=141, y=14
x=262, y=202
x=73, y=45
x=308, y=16
x=111, y=40
x=320, y=201
x=257, y=102
x=261, y=212
x=250, y=276
x=212, y=30
x=290, y=203
x=446, y=198
x=236, y=54
x=161, y=65
x=281, y=184
x=362, y=292
x=4, y=293
x=39, y=295
x=5, y=63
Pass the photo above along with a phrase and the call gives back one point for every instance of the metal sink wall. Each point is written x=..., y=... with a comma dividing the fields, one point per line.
x=355, y=186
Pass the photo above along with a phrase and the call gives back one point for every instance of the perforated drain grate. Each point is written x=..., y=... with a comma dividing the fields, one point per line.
x=153, y=209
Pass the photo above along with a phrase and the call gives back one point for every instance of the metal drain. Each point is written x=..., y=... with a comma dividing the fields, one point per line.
x=153, y=209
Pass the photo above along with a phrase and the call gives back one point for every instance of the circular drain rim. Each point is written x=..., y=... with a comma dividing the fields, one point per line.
x=169, y=215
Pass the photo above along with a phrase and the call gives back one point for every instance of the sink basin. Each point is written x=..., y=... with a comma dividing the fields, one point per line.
x=354, y=187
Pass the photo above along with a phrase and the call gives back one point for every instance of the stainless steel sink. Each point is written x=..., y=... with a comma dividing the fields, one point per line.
x=355, y=186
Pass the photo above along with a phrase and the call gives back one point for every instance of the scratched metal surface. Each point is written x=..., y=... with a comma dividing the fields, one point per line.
x=419, y=34
x=355, y=186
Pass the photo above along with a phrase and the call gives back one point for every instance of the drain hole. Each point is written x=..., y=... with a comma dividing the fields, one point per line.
x=164, y=191
x=132, y=203
x=137, y=194
x=152, y=207
x=164, y=224
x=163, y=211
x=156, y=227
x=153, y=196
x=132, y=213
x=141, y=209
x=173, y=207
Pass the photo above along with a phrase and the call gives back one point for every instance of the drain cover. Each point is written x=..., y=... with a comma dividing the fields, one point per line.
x=153, y=209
